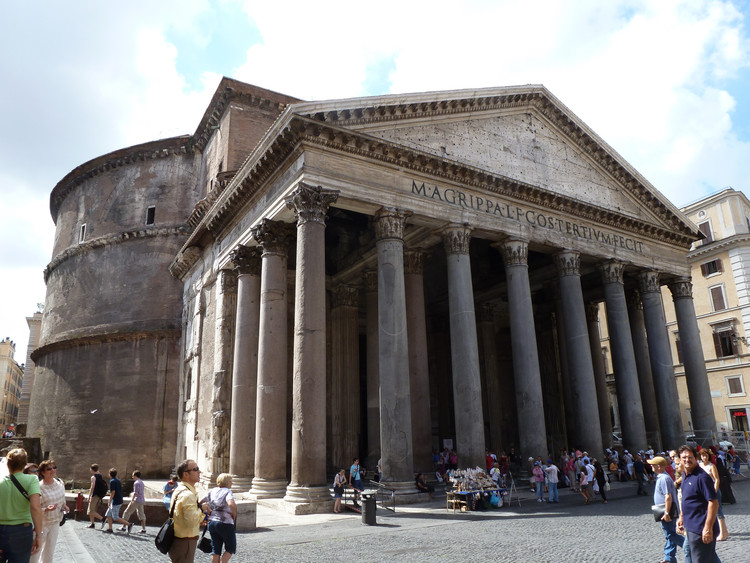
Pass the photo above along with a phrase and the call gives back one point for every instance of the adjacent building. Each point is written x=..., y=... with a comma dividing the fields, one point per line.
x=300, y=283
x=35, y=327
x=11, y=376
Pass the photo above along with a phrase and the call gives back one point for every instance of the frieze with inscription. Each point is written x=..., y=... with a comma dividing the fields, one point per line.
x=512, y=212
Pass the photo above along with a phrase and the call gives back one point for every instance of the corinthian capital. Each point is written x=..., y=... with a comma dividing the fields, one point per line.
x=310, y=203
x=389, y=223
x=681, y=289
x=246, y=260
x=568, y=263
x=345, y=296
x=456, y=239
x=273, y=236
x=515, y=251
x=370, y=278
x=592, y=312
x=414, y=261
x=612, y=271
x=648, y=282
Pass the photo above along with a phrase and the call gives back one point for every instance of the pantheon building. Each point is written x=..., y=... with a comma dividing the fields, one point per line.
x=301, y=283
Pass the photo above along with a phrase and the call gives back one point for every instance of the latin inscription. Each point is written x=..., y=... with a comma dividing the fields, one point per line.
x=503, y=210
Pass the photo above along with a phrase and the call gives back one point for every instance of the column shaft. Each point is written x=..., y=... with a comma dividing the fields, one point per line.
x=271, y=404
x=491, y=370
x=600, y=375
x=419, y=375
x=245, y=367
x=662, y=366
x=645, y=375
x=373, y=377
x=532, y=430
x=308, y=489
x=699, y=391
x=580, y=366
x=393, y=358
x=623, y=358
x=467, y=383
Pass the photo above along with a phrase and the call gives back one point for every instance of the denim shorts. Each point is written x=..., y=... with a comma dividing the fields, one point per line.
x=16, y=542
x=113, y=511
x=222, y=536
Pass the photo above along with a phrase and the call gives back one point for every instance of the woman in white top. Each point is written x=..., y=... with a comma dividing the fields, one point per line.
x=53, y=505
x=710, y=468
x=222, y=510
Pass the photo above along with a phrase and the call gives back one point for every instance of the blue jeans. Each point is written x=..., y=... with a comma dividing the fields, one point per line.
x=672, y=540
x=539, y=489
x=553, y=496
x=16, y=542
x=222, y=536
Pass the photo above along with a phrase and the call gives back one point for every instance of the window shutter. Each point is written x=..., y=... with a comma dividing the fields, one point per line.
x=679, y=351
x=704, y=270
x=717, y=297
x=717, y=345
x=705, y=228
x=718, y=265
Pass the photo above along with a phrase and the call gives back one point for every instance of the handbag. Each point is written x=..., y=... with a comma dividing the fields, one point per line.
x=658, y=511
x=165, y=536
x=204, y=544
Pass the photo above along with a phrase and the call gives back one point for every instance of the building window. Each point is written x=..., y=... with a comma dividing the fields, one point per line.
x=150, y=215
x=735, y=388
x=712, y=267
x=725, y=343
x=82, y=233
x=718, y=299
x=705, y=228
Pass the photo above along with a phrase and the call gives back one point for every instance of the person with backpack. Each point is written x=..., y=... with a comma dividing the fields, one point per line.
x=97, y=492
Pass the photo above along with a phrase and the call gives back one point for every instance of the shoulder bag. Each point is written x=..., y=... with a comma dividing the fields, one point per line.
x=658, y=511
x=165, y=535
x=20, y=487
x=204, y=544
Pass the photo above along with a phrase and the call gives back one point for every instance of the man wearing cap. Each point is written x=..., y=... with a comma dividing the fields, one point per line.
x=665, y=493
x=699, y=509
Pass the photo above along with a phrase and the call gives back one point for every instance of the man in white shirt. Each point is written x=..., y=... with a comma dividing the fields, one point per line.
x=553, y=477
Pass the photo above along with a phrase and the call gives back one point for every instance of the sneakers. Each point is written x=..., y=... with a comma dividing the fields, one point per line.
x=130, y=527
x=108, y=532
x=142, y=532
x=91, y=525
x=121, y=529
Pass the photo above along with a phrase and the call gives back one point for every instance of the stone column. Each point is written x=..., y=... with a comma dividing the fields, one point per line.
x=662, y=366
x=580, y=366
x=623, y=357
x=344, y=375
x=699, y=392
x=645, y=375
x=600, y=373
x=393, y=359
x=467, y=383
x=532, y=430
x=221, y=395
x=494, y=392
x=270, y=478
x=308, y=491
x=373, y=377
x=419, y=374
x=245, y=367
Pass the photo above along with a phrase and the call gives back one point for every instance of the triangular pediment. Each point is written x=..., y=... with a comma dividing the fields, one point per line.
x=520, y=133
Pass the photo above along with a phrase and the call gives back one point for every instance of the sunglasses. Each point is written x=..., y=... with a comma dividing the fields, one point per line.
x=193, y=469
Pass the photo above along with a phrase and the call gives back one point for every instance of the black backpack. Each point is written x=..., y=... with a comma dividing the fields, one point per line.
x=100, y=486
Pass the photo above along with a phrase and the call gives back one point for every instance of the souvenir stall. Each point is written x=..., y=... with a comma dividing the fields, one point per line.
x=473, y=489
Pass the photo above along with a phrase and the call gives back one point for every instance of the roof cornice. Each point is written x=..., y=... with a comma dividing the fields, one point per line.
x=707, y=250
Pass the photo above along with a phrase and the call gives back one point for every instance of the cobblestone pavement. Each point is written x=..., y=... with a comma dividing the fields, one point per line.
x=622, y=530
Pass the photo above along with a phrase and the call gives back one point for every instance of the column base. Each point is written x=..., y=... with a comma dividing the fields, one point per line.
x=241, y=483
x=267, y=488
x=308, y=500
x=208, y=479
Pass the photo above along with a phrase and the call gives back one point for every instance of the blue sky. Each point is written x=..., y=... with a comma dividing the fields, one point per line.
x=664, y=82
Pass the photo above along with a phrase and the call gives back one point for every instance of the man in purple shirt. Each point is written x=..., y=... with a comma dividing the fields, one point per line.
x=698, y=510
x=137, y=501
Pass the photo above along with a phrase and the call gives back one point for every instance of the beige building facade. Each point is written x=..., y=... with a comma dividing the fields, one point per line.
x=11, y=376
x=366, y=277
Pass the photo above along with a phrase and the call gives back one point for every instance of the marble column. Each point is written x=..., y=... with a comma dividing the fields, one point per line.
x=699, y=391
x=270, y=478
x=623, y=357
x=370, y=278
x=308, y=490
x=645, y=375
x=221, y=395
x=467, y=383
x=600, y=373
x=662, y=366
x=344, y=414
x=245, y=367
x=393, y=360
x=532, y=430
x=491, y=371
x=419, y=373
x=580, y=366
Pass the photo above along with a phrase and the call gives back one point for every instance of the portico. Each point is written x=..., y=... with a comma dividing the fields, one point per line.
x=445, y=251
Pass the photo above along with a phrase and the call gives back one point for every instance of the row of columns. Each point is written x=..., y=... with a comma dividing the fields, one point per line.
x=398, y=382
